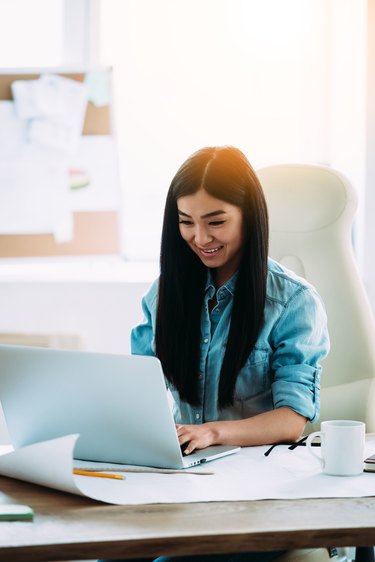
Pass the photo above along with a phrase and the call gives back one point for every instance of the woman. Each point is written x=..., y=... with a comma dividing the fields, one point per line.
x=239, y=337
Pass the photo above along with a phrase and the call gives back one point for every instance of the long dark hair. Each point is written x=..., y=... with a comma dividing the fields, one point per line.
x=225, y=173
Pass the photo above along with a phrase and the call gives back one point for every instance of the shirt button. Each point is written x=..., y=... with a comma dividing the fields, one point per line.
x=197, y=416
x=205, y=340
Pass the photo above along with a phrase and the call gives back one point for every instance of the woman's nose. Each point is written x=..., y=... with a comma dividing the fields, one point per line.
x=201, y=236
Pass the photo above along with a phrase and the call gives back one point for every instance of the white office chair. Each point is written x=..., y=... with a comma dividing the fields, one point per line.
x=311, y=212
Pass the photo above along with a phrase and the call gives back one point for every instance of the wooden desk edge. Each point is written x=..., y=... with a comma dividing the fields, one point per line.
x=178, y=546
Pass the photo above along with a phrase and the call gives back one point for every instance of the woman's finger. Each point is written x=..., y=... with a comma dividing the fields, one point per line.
x=190, y=448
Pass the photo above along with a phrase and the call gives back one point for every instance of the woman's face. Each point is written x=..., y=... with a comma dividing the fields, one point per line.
x=213, y=229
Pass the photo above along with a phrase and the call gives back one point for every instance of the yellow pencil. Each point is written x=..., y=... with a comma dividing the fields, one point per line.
x=98, y=474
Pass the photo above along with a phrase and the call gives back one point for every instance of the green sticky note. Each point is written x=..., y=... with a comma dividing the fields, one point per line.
x=10, y=512
x=99, y=87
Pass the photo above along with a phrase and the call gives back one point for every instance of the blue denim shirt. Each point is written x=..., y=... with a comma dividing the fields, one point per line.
x=283, y=368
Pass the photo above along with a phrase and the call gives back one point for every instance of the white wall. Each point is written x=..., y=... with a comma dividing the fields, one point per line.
x=191, y=74
x=102, y=313
x=347, y=102
x=369, y=202
x=288, y=81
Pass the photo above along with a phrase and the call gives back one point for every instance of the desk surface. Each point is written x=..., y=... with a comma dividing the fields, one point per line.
x=68, y=527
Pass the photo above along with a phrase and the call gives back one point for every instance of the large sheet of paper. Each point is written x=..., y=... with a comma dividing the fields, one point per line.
x=247, y=475
x=40, y=185
x=39, y=206
x=54, y=108
x=34, y=181
x=95, y=163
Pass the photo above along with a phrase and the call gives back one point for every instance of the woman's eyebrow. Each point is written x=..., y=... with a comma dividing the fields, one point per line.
x=206, y=216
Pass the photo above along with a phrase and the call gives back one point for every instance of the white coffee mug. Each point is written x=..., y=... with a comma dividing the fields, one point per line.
x=342, y=447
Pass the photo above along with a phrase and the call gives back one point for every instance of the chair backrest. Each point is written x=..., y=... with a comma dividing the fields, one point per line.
x=311, y=212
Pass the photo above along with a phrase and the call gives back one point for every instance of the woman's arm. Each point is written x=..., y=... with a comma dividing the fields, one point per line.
x=282, y=424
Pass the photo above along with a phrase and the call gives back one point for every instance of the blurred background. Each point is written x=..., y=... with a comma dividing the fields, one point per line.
x=285, y=81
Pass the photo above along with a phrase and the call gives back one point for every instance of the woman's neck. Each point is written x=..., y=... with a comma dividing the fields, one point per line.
x=221, y=277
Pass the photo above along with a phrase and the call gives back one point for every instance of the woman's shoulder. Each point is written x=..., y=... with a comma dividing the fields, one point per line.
x=151, y=295
x=283, y=283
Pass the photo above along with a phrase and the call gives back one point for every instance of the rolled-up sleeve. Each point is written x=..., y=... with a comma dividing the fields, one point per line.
x=142, y=337
x=300, y=341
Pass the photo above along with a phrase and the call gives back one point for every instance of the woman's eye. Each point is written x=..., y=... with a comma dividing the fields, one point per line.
x=216, y=223
x=188, y=223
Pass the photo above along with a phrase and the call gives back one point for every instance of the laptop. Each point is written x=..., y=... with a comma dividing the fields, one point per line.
x=117, y=403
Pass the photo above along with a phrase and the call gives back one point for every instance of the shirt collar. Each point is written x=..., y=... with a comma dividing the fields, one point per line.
x=229, y=285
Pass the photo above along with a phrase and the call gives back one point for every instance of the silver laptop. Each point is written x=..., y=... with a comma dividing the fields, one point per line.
x=117, y=403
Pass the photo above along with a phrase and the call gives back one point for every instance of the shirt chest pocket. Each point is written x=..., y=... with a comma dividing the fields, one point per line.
x=254, y=378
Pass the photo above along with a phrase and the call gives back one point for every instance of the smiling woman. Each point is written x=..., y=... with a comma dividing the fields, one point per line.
x=220, y=303
x=240, y=338
x=215, y=236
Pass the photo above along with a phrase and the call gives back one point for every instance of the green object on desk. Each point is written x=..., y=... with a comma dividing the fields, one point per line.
x=10, y=512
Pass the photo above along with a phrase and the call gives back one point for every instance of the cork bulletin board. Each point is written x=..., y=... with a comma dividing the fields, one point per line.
x=95, y=232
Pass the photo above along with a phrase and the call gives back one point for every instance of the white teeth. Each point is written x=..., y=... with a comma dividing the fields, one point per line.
x=211, y=250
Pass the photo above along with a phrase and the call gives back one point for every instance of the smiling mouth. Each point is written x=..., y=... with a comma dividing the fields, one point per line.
x=210, y=251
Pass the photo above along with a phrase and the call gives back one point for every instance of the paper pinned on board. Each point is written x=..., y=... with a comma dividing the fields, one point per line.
x=248, y=475
x=99, y=87
x=95, y=181
x=48, y=169
x=41, y=186
x=34, y=193
x=12, y=132
x=54, y=108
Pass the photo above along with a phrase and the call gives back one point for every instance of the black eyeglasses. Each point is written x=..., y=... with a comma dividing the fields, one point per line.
x=292, y=445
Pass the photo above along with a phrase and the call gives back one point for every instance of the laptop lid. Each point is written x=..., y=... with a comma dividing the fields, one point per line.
x=117, y=403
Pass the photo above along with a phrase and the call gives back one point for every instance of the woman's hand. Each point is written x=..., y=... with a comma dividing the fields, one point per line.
x=196, y=436
x=281, y=424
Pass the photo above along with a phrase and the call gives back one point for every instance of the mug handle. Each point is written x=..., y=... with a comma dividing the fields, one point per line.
x=309, y=441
